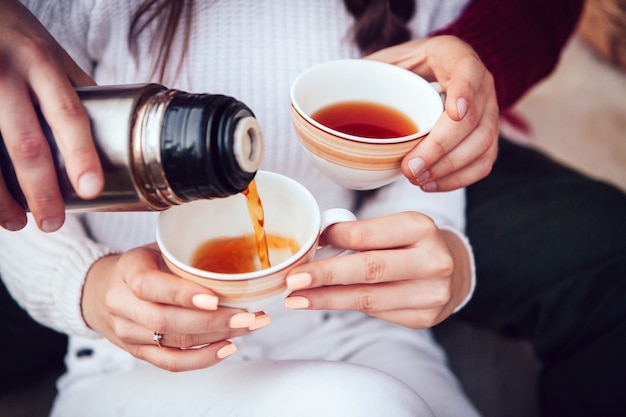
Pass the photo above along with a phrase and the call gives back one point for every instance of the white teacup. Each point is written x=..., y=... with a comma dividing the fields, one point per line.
x=290, y=212
x=358, y=162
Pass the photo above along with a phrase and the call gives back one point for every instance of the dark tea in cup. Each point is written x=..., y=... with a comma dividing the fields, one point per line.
x=366, y=119
x=247, y=253
x=239, y=254
x=216, y=235
x=357, y=119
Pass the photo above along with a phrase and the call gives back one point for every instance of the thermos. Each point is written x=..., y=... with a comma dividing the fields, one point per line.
x=159, y=147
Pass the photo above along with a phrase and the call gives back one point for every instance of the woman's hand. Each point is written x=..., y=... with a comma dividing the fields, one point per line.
x=405, y=270
x=34, y=69
x=462, y=146
x=129, y=297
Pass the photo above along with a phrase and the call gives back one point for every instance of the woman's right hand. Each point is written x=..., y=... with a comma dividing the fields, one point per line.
x=35, y=70
x=129, y=297
x=463, y=145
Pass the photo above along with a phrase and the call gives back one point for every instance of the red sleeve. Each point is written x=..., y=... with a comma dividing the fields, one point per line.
x=519, y=41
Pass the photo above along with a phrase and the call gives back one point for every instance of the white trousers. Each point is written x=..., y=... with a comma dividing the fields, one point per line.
x=304, y=364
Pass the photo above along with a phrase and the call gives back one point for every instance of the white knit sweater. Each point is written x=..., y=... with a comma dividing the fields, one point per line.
x=249, y=49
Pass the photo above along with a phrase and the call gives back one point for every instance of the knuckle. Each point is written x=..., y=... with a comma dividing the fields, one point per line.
x=439, y=147
x=444, y=264
x=68, y=112
x=186, y=341
x=416, y=224
x=367, y=302
x=418, y=220
x=452, y=164
x=81, y=153
x=441, y=295
x=357, y=236
x=374, y=268
x=70, y=107
x=122, y=331
x=429, y=320
x=325, y=276
x=470, y=62
x=472, y=116
x=488, y=78
x=484, y=169
x=42, y=201
x=30, y=146
x=136, y=283
x=35, y=50
x=486, y=139
x=109, y=304
x=135, y=350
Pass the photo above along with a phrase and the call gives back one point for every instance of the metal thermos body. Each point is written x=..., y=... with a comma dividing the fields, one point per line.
x=159, y=147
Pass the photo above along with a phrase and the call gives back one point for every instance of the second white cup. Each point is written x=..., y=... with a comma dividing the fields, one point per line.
x=360, y=161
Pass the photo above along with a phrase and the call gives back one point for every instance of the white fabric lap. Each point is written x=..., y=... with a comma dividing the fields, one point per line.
x=297, y=360
x=238, y=388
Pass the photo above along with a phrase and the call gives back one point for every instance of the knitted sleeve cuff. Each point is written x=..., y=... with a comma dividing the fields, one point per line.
x=49, y=285
x=67, y=297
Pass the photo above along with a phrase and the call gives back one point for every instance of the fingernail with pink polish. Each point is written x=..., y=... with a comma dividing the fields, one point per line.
x=262, y=320
x=226, y=351
x=204, y=301
x=297, y=303
x=299, y=281
x=242, y=320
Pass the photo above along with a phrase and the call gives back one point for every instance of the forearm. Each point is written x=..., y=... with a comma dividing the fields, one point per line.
x=519, y=41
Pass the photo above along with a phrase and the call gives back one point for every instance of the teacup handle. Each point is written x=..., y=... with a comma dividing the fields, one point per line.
x=330, y=217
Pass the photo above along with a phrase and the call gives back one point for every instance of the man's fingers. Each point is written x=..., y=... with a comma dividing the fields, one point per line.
x=12, y=216
x=30, y=155
x=69, y=123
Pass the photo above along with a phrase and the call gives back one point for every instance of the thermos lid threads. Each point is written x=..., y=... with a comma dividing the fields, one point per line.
x=211, y=146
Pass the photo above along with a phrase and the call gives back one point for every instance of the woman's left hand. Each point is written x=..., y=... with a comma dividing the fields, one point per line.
x=462, y=146
x=405, y=270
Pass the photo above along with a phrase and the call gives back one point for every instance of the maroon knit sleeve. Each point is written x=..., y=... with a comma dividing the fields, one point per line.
x=519, y=41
